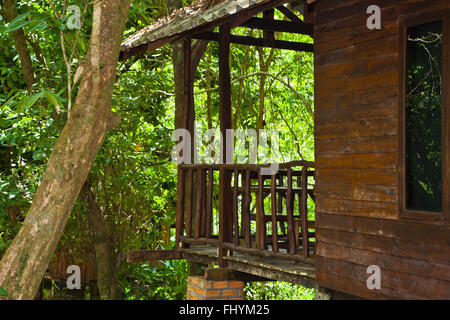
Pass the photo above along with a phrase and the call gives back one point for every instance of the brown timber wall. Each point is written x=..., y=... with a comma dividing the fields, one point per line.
x=357, y=157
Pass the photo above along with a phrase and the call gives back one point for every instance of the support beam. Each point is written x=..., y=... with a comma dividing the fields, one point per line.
x=259, y=42
x=289, y=14
x=224, y=274
x=225, y=192
x=154, y=255
x=269, y=35
x=279, y=26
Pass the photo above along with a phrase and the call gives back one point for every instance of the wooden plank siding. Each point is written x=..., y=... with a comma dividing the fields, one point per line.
x=357, y=158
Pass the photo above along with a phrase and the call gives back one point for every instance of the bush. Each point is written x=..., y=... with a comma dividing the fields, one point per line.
x=277, y=291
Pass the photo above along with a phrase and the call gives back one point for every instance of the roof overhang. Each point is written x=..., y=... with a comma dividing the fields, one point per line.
x=199, y=17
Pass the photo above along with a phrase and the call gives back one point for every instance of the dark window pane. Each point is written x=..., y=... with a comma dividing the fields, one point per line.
x=423, y=117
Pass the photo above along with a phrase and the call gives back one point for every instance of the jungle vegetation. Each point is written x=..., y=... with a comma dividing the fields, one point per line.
x=126, y=199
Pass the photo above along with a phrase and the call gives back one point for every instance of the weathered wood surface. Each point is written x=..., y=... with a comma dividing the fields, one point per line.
x=153, y=255
x=357, y=150
x=269, y=268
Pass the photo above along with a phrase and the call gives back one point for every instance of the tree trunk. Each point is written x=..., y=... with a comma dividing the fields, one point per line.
x=11, y=13
x=25, y=261
x=107, y=280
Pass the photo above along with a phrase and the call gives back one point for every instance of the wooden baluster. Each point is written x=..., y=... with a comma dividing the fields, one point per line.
x=180, y=207
x=198, y=205
x=280, y=205
x=209, y=211
x=260, y=223
x=289, y=214
x=246, y=211
x=304, y=212
x=235, y=207
x=273, y=185
x=203, y=219
x=190, y=194
x=297, y=223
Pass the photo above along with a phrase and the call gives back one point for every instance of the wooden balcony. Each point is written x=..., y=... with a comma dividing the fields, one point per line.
x=239, y=212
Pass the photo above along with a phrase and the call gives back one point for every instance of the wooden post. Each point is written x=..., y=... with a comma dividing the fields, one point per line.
x=246, y=210
x=304, y=212
x=269, y=36
x=289, y=213
x=203, y=216
x=235, y=207
x=188, y=92
x=225, y=193
x=273, y=185
x=280, y=205
x=209, y=209
x=189, y=203
x=260, y=221
x=198, y=206
x=186, y=120
x=180, y=207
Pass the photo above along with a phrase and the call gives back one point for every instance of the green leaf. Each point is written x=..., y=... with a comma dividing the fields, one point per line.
x=3, y=292
x=52, y=99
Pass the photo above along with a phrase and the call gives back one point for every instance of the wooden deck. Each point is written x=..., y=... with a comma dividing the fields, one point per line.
x=269, y=268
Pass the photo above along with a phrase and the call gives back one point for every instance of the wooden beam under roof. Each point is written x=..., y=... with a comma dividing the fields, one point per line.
x=258, y=42
x=279, y=26
x=289, y=14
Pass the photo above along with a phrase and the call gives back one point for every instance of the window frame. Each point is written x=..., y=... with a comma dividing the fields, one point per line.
x=404, y=23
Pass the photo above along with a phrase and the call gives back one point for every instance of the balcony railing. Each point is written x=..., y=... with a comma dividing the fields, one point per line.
x=225, y=206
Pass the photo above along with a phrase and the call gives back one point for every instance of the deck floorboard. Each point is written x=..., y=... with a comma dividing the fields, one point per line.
x=269, y=268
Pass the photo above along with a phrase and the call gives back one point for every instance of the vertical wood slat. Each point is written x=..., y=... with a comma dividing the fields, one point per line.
x=209, y=211
x=203, y=216
x=189, y=204
x=198, y=205
x=246, y=212
x=289, y=213
x=260, y=223
x=280, y=206
x=273, y=185
x=298, y=223
x=304, y=211
x=180, y=207
x=235, y=207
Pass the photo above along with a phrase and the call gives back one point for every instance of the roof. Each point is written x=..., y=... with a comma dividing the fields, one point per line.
x=197, y=14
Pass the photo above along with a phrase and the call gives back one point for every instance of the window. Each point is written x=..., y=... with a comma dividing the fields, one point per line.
x=423, y=124
x=423, y=117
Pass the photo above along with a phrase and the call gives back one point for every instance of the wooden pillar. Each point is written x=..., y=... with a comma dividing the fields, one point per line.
x=188, y=110
x=225, y=192
x=187, y=120
x=269, y=36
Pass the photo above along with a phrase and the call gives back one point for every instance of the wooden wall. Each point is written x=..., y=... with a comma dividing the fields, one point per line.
x=356, y=121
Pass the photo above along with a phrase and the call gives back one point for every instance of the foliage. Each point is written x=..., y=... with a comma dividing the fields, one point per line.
x=146, y=282
x=277, y=291
x=132, y=178
x=423, y=110
x=3, y=292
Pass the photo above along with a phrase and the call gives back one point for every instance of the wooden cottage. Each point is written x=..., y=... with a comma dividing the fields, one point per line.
x=380, y=180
